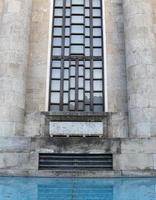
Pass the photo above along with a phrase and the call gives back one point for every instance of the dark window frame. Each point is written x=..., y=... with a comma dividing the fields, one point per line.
x=78, y=59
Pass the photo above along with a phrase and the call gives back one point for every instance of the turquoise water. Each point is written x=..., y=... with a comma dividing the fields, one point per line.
x=77, y=189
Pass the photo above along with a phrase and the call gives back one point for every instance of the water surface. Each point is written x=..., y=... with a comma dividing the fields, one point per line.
x=77, y=188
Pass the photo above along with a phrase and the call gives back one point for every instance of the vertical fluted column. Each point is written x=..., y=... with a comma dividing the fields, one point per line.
x=14, y=45
x=141, y=69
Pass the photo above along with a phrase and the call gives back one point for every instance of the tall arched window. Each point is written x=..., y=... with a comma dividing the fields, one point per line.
x=77, y=63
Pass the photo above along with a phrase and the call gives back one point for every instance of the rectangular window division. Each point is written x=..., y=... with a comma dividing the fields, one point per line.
x=77, y=66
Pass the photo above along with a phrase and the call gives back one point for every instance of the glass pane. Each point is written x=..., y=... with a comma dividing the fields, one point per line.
x=96, y=3
x=87, y=51
x=80, y=95
x=87, y=42
x=87, y=64
x=57, y=41
x=96, y=12
x=65, y=108
x=98, y=108
x=56, y=63
x=97, y=52
x=72, y=83
x=87, y=3
x=87, y=74
x=56, y=73
x=66, y=64
x=77, y=9
x=80, y=71
x=65, y=98
x=98, y=98
x=87, y=22
x=72, y=105
x=80, y=82
x=87, y=85
x=87, y=13
x=97, y=64
x=67, y=31
x=87, y=108
x=67, y=41
x=55, y=107
x=66, y=51
x=87, y=98
x=97, y=42
x=67, y=21
x=96, y=22
x=96, y=31
x=77, y=29
x=78, y=2
x=57, y=31
x=72, y=71
x=68, y=3
x=55, y=85
x=56, y=51
x=58, y=12
x=66, y=73
x=87, y=31
x=97, y=85
x=58, y=21
x=55, y=97
x=77, y=49
x=59, y=3
x=97, y=74
x=80, y=106
x=67, y=12
x=77, y=19
x=66, y=85
x=77, y=39
x=72, y=95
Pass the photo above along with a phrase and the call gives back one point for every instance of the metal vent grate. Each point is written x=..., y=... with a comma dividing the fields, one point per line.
x=49, y=161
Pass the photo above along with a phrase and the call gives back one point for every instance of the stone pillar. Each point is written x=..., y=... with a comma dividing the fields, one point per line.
x=141, y=68
x=14, y=45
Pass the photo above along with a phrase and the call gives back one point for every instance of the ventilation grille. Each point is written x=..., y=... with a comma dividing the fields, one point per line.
x=48, y=161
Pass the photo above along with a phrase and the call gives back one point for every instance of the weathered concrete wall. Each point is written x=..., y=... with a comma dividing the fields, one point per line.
x=14, y=43
x=141, y=67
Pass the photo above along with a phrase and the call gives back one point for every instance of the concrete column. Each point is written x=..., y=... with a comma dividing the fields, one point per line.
x=141, y=67
x=14, y=45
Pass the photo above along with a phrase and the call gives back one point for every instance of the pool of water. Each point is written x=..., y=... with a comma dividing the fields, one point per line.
x=77, y=188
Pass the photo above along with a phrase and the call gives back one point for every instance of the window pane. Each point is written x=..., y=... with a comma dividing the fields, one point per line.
x=67, y=31
x=77, y=9
x=57, y=31
x=56, y=51
x=77, y=20
x=97, y=64
x=55, y=85
x=72, y=71
x=80, y=94
x=56, y=63
x=87, y=12
x=78, y=2
x=96, y=12
x=65, y=98
x=67, y=41
x=96, y=31
x=67, y=12
x=72, y=105
x=66, y=64
x=58, y=12
x=80, y=106
x=87, y=85
x=77, y=49
x=66, y=51
x=98, y=108
x=54, y=107
x=97, y=42
x=58, y=21
x=72, y=95
x=66, y=85
x=59, y=3
x=87, y=21
x=55, y=97
x=87, y=98
x=77, y=29
x=97, y=85
x=87, y=73
x=97, y=74
x=87, y=3
x=96, y=22
x=96, y=3
x=77, y=39
x=97, y=52
x=98, y=98
x=80, y=82
x=87, y=42
x=56, y=73
x=87, y=31
x=72, y=83
x=57, y=42
x=66, y=73
x=67, y=21
x=80, y=71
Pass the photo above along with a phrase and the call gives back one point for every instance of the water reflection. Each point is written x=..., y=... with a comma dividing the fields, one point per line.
x=77, y=189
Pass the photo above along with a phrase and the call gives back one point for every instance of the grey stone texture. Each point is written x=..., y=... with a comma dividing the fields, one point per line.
x=127, y=128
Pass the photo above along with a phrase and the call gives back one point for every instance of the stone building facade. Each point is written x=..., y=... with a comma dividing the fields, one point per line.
x=127, y=128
